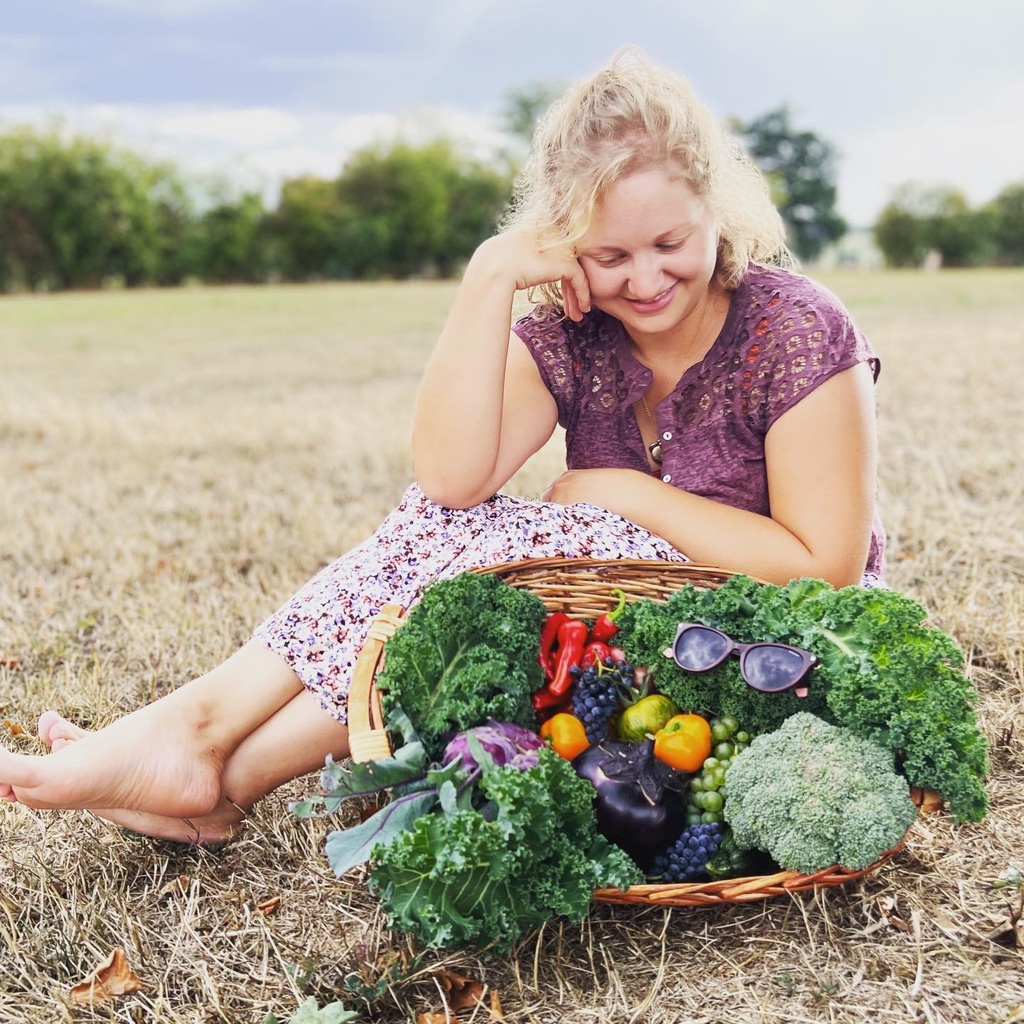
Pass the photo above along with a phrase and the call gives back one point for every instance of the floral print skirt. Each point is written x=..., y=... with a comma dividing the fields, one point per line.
x=320, y=630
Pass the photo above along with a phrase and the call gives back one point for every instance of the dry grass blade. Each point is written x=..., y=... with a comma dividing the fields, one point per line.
x=175, y=463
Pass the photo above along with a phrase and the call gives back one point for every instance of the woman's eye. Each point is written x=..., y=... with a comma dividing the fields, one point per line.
x=609, y=261
x=670, y=246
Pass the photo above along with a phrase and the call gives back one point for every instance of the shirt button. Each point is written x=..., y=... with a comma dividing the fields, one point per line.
x=667, y=478
x=667, y=436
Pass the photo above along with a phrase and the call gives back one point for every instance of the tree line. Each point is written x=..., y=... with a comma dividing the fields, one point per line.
x=919, y=220
x=83, y=213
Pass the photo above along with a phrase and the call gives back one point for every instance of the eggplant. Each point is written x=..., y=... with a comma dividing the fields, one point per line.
x=638, y=799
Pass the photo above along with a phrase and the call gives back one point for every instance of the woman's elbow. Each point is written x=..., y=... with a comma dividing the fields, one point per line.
x=449, y=492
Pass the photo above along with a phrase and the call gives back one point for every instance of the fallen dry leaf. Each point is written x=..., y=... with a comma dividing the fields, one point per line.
x=10, y=662
x=175, y=887
x=947, y=925
x=888, y=908
x=268, y=907
x=111, y=979
x=496, y=1011
x=463, y=993
x=13, y=728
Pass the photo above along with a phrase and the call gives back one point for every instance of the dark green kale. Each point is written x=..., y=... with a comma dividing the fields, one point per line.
x=900, y=682
x=647, y=629
x=883, y=673
x=490, y=875
x=467, y=652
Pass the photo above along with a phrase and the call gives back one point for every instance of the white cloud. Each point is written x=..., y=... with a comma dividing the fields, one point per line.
x=253, y=127
x=259, y=147
x=172, y=8
x=23, y=72
x=978, y=149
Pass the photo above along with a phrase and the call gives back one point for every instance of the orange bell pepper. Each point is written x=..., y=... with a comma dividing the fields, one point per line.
x=684, y=742
x=566, y=734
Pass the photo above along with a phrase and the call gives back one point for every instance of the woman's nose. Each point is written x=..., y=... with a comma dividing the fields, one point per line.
x=647, y=280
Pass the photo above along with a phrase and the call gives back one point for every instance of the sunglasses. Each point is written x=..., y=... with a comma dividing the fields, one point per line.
x=766, y=667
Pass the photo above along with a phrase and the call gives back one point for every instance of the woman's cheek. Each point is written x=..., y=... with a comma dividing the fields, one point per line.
x=604, y=284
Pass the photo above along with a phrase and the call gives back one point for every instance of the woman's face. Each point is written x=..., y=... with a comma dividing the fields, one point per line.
x=650, y=253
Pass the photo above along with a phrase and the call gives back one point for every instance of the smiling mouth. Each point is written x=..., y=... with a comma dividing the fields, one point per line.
x=655, y=305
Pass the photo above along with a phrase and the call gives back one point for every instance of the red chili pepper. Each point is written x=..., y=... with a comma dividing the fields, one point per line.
x=545, y=702
x=604, y=629
x=548, y=639
x=595, y=650
x=572, y=636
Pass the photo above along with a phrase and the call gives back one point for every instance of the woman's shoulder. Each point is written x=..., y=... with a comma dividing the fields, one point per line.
x=780, y=293
x=793, y=334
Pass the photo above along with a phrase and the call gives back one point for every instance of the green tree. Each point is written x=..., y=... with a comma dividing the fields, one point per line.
x=800, y=166
x=401, y=192
x=306, y=227
x=232, y=243
x=408, y=211
x=900, y=235
x=524, y=107
x=477, y=198
x=1005, y=216
x=75, y=212
x=921, y=218
x=958, y=233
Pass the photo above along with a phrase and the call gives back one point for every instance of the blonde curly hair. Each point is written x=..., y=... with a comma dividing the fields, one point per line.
x=632, y=116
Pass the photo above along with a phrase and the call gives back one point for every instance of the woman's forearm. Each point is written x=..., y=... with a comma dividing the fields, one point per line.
x=712, y=533
x=464, y=384
x=735, y=539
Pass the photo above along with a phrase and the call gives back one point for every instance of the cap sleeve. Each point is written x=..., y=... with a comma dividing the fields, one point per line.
x=546, y=337
x=796, y=342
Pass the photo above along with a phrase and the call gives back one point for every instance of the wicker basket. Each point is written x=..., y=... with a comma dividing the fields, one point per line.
x=581, y=587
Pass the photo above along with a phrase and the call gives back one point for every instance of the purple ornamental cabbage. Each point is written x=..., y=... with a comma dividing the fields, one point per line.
x=507, y=743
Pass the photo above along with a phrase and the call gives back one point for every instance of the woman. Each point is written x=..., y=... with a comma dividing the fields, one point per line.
x=716, y=408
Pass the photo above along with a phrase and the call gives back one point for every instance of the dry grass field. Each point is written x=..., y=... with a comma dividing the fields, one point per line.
x=173, y=464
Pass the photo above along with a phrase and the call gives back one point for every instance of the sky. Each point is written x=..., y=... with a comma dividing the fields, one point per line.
x=257, y=91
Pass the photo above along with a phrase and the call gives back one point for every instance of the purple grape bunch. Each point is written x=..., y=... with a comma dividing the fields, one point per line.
x=685, y=859
x=597, y=695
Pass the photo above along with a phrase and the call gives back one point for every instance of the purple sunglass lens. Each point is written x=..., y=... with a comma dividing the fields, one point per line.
x=699, y=649
x=769, y=669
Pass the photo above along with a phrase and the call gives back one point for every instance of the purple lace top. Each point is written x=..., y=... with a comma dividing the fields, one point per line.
x=783, y=336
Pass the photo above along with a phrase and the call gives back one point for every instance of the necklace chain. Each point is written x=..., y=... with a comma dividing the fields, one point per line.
x=655, y=449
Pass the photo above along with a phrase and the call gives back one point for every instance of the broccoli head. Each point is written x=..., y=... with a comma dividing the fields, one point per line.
x=813, y=794
x=468, y=651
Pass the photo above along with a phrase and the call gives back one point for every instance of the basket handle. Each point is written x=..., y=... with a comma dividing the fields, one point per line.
x=367, y=737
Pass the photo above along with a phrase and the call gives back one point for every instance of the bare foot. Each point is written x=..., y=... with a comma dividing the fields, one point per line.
x=153, y=761
x=218, y=825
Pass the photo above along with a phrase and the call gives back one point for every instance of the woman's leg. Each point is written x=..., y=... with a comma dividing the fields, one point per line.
x=293, y=741
x=179, y=756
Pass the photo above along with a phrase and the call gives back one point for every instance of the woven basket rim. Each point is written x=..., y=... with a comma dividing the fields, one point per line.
x=583, y=583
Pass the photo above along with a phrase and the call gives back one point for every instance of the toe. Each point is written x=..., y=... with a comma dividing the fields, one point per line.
x=57, y=731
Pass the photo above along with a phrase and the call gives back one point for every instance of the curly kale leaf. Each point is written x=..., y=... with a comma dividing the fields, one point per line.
x=738, y=607
x=470, y=877
x=467, y=652
x=883, y=673
x=892, y=678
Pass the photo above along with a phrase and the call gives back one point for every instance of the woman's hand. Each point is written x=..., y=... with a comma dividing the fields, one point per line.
x=516, y=256
x=619, y=490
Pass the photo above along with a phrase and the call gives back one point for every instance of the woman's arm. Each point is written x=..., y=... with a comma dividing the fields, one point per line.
x=821, y=481
x=483, y=409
